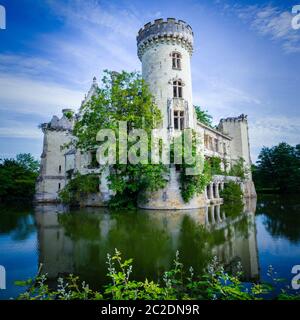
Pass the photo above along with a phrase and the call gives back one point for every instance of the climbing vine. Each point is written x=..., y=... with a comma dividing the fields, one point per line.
x=192, y=185
x=78, y=188
x=239, y=169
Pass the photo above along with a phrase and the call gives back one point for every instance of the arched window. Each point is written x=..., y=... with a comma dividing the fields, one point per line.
x=176, y=60
x=177, y=89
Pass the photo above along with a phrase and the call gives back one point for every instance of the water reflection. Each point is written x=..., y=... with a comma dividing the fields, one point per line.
x=77, y=242
x=17, y=222
x=281, y=216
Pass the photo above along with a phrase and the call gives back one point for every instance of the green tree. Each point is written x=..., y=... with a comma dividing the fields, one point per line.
x=278, y=168
x=232, y=192
x=238, y=169
x=27, y=161
x=17, y=178
x=122, y=97
x=203, y=116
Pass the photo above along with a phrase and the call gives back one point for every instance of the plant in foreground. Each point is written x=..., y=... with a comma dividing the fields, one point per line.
x=176, y=283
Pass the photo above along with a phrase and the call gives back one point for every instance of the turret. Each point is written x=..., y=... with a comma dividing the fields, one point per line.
x=165, y=49
x=237, y=129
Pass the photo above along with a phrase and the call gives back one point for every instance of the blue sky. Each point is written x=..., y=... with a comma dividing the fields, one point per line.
x=246, y=60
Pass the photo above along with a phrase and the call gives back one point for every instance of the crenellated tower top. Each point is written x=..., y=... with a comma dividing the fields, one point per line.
x=169, y=31
x=241, y=118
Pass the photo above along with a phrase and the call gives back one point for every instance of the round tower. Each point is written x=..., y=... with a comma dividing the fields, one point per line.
x=165, y=49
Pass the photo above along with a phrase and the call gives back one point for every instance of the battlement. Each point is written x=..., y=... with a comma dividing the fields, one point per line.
x=62, y=124
x=240, y=118
x=160, y=30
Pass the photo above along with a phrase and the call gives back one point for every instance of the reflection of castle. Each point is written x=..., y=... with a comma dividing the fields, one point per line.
x=70, y=244
x=165, y=49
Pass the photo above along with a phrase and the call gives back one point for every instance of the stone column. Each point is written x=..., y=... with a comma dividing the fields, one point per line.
x=206, y=194
x=218, y=214
x=222, y=186
x=217, y=190
x=211, y=191
x=212, y=208
x=206, y=216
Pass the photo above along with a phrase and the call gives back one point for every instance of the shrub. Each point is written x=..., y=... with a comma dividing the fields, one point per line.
x=215, y=165
x=78, y=188
x=232, y=192
x=238, y=169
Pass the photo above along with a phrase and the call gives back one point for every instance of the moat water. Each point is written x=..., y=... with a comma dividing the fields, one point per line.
x=260, y=234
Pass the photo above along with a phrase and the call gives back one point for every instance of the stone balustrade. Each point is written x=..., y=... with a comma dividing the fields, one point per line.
x=212, y=190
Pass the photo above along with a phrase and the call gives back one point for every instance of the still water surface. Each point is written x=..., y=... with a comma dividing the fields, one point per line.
x=257, y=235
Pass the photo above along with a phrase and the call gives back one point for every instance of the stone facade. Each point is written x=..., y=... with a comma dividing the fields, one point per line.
x=165, y=49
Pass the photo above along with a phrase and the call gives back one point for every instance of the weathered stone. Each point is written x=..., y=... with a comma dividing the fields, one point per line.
x=157, y=42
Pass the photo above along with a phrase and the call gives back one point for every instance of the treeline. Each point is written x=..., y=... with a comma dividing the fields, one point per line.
x=17, y=178
x=278, y=169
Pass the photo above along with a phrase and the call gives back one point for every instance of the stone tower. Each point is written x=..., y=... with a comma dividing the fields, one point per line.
x=165, y=49
x=52, y=177
x=237, y=128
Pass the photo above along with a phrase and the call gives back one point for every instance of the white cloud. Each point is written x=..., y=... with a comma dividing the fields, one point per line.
x=272, y=130
x=24, y=95
x=269, y=21
x=19, y=130
x=222, y=98
x=22, y=64
x=91, y=12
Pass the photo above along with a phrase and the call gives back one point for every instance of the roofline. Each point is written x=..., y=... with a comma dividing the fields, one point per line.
x=214, y=130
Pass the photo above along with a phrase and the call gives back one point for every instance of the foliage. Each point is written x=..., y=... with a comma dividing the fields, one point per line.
x=232, y=192
x=238, y=169
x=123, y=97
x=278, y=168
x=203, y=116
x=78, y=188
x=69, y=114
x=176, y=284
x=191, y=184
x=215, y=165
x=17, y=178
x=27, y=161
x=131, y=181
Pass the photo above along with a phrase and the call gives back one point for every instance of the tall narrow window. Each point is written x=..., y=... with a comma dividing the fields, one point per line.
x=177, y=89
x=179, y=120
x=176, y=60
x=206, y=141
x=216, y=146
x=59, y=169
x=59, y=187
